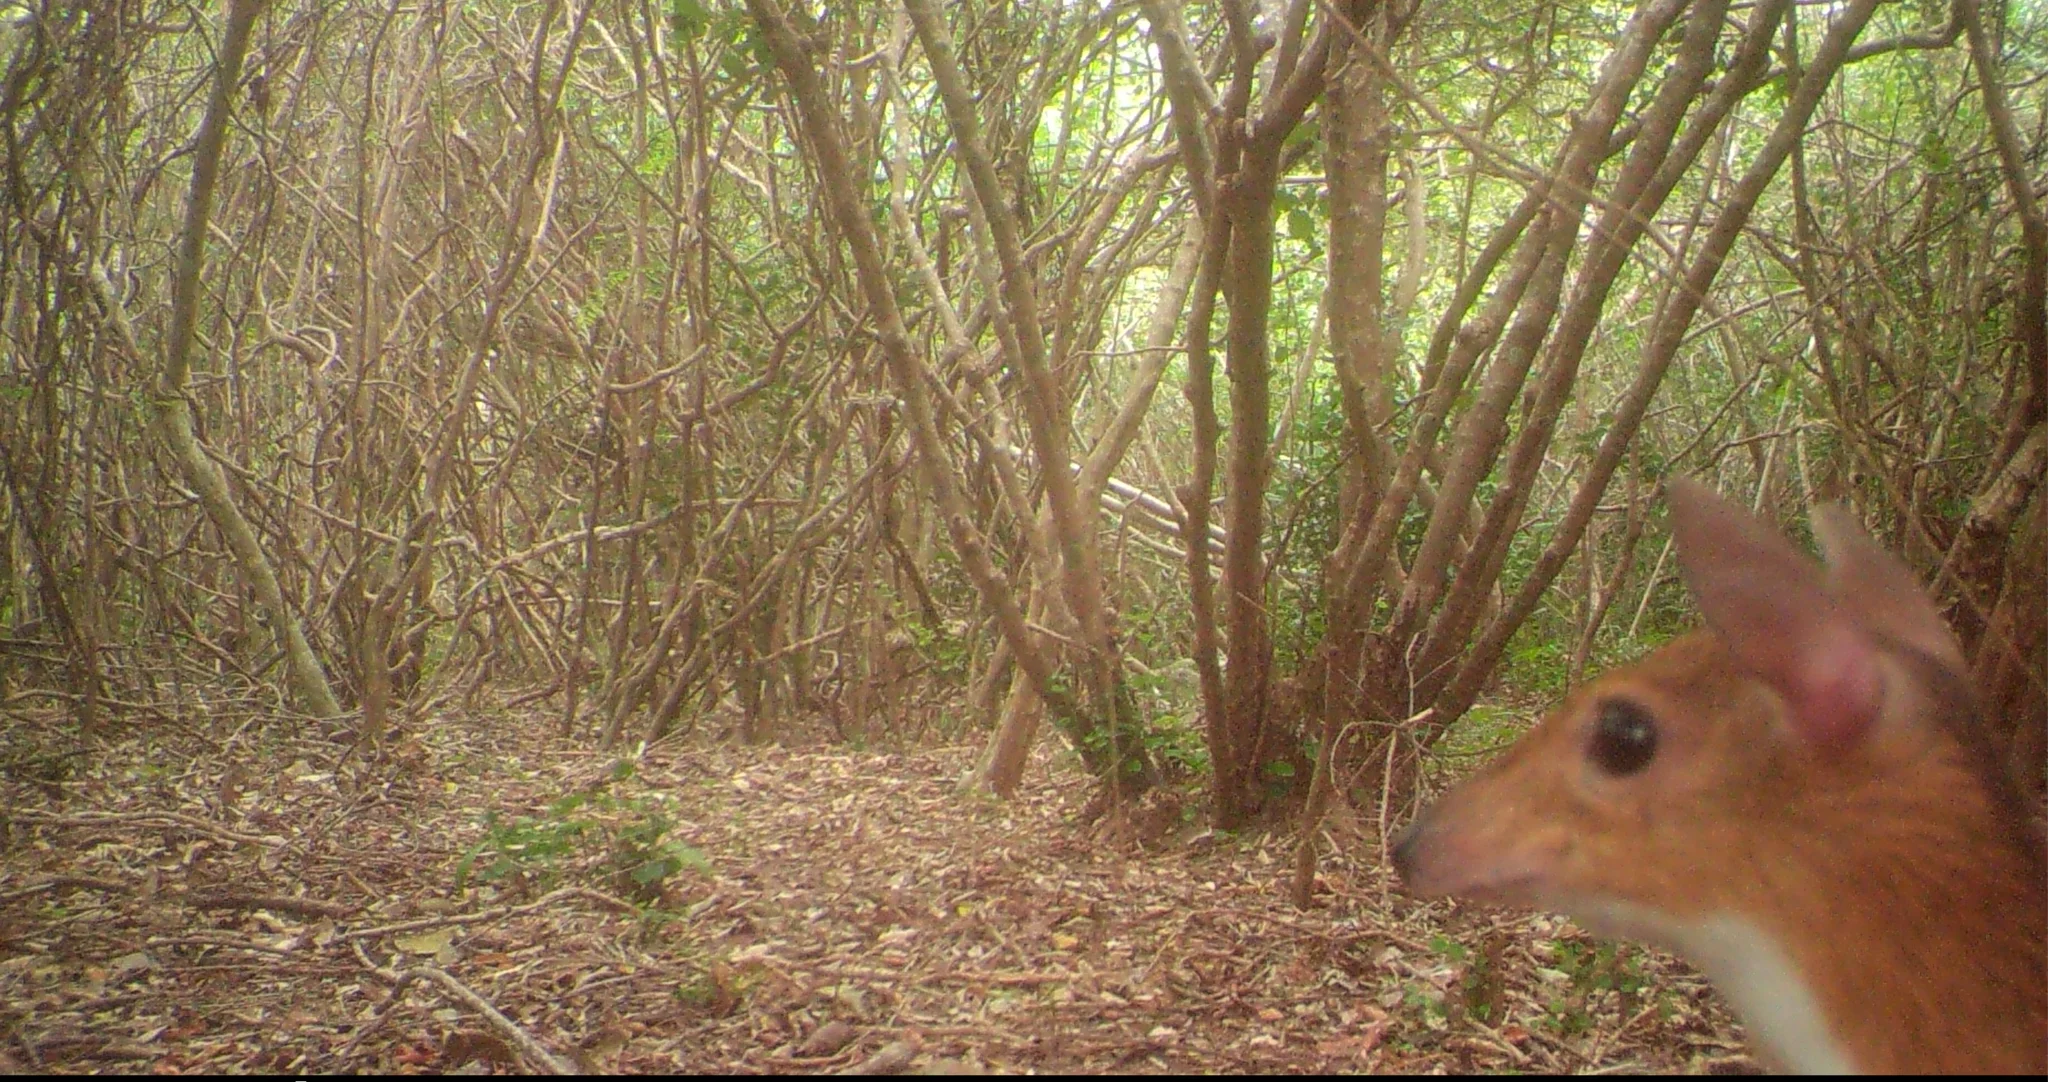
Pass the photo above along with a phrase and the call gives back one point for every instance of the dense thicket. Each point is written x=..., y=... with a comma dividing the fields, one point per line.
x=856, y=365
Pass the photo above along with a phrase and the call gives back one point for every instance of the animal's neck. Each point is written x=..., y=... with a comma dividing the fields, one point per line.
x=1909, y=896
x=1933, y=959
x=1922, y=947
x=1791, y=1025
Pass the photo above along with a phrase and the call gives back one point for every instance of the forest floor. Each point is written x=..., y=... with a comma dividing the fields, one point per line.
x=190, y=899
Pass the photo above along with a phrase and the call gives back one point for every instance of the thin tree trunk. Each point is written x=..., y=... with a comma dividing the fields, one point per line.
x=1023, y=341
x=174, y=407
x=1355, y=159
x=1999, y=573
x=909, y=374
x=1646, y=180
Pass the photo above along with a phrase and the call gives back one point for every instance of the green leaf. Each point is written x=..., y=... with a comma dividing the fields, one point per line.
x=688, y=18
x=651, y=872
x=1934, y=151
x=1300, y=225
x=734, y=64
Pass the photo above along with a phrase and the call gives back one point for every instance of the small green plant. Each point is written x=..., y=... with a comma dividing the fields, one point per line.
x=643, y=855
x=1166, y=697
x=1569, y=1018
x=1475, y=988
x=717, y=991
x=1536, y=661
x=1602, y=967
x=1430, y=1006
x=1484, y=732
x=527, y=849
x=698, y=991
x=623, y=841
x=1174, y=741
x=1121, y=744
x=947, y=653
x=952, y=724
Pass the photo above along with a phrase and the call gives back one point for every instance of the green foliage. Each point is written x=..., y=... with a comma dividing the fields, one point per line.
x=1121, y=746
x=1168, y=698
x=1472, y=987
x=1306, y=225
x=946, y=652
x=1305, y=512
x=1430, y=1006
x=1605, y=966
x=699, y=991
x=1537, y=658
x=688, y=19
x=623, y=842
x=530, y=846
x=694, y=22
x=1483, y=732
x=1469, y=995
x=1158, y=637
x=1176, y=741
x=1601, y=968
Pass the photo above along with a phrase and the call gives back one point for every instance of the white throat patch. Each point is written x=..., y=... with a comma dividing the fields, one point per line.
x=1757, y=975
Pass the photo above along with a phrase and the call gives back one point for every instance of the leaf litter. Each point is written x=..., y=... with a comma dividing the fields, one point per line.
x=485, y=897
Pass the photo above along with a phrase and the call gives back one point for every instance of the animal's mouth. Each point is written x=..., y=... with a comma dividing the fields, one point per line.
x=1510, y=889
x=1504, y=886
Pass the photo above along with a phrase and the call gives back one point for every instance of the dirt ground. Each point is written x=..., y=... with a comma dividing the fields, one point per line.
x=217, y=895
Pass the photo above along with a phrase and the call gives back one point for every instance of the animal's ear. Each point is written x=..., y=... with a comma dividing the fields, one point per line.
x=1880, y=587
x=1773, y=607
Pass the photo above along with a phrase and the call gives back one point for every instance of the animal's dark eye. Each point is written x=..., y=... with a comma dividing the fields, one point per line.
x=1624, y=737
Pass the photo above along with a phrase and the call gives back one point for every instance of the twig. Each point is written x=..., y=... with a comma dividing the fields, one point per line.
x=512, y=1030
x=543, y=902
x=401, y=978
x=84, y=882
x=400, y=981
x=305, y=907
x=1521, y=1058
x=193, y=823
x=228, y=942
x=1003, y=980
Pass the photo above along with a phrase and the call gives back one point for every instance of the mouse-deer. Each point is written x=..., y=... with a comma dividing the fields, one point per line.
x=1801, y=800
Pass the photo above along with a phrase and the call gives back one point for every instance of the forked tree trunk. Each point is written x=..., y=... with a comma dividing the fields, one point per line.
x=1237, y=264
x=1666, y=335
x=1098, y=725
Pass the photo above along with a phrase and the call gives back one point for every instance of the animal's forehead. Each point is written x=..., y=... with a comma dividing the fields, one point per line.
x=1681, y=684
x=1690, y=687
x=1690, y=658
